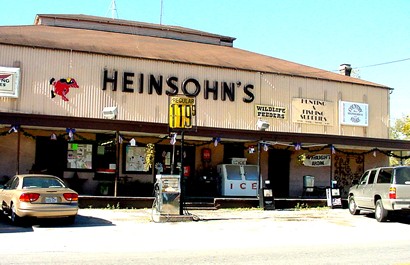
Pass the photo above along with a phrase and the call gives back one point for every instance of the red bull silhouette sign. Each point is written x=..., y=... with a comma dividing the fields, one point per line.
x=62, y=87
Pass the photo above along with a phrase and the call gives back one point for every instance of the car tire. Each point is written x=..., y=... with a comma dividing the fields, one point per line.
x=353, y=206
x=380, y=213
x=14, y=218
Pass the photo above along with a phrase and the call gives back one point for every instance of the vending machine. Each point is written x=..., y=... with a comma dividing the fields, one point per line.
x=238, y=180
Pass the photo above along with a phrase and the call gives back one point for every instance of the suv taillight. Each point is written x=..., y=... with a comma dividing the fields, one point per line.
x=29, y=197
x=71, y=196
x=392, y=193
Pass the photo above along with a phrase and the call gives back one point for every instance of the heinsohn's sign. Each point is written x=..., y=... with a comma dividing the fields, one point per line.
x=140, y=83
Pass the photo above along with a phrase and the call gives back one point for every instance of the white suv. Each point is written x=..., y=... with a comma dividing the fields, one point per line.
x=382, y=190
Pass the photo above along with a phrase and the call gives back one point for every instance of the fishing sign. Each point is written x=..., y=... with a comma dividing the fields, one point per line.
x=182, y=112
x=9, y=82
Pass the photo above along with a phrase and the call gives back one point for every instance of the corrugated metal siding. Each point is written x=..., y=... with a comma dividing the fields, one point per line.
x=40, y=65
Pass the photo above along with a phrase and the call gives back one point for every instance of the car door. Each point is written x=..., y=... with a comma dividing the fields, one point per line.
x=7, y=193
x=368, y=189
x=359, y=192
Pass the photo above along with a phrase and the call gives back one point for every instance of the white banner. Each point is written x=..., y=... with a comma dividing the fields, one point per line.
x=320, y=160
x=352, y=113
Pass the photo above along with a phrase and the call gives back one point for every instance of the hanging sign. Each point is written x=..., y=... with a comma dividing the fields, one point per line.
x=320, y=160
x=312, y=111
x=181, y=112
x=355, y=114
x=9, y=82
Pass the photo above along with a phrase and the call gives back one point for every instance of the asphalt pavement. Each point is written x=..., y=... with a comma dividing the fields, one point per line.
x=223, y=236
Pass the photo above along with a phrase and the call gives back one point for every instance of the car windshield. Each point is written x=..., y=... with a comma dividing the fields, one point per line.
x=403, y=175
x=41, y=182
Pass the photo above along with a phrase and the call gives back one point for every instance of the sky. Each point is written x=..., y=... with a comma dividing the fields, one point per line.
x=371, y=35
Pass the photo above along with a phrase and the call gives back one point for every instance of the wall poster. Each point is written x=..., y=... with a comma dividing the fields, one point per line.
x=135, y=158
x=79, y=156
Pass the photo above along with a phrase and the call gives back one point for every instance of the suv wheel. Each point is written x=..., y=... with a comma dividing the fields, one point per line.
x=380, y=213
x=353, y=206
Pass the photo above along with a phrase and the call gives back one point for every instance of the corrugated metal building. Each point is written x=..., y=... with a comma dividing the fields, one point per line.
x=136, y=67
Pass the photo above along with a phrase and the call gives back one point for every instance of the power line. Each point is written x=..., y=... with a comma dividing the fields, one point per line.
x=378, y=64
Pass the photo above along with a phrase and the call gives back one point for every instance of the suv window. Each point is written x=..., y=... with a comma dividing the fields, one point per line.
x=372, y=176
x=403, y=175
x=363, y=179
x=385, y=175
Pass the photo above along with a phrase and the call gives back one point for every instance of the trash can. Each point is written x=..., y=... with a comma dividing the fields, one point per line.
x=266, y=199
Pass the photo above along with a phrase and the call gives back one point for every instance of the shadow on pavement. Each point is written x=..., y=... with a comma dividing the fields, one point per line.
x=401, y=218
x=80, y=221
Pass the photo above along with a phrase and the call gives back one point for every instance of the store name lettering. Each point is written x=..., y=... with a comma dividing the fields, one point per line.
x=190, y=87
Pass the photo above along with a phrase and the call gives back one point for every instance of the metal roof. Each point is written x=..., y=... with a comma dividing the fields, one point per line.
x=162, y=49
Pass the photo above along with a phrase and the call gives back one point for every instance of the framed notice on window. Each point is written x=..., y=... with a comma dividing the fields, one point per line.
x=79, y=156
x=135, y=159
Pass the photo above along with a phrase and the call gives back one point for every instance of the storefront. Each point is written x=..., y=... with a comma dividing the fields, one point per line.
x=89, y=99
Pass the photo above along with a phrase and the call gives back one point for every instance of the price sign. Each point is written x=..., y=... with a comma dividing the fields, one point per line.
x=181, y=112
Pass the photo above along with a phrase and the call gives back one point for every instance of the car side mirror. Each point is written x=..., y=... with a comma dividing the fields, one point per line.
x=355, y=182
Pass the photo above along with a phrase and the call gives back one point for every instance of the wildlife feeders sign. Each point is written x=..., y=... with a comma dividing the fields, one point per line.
x=312, y=111
x=181, y=112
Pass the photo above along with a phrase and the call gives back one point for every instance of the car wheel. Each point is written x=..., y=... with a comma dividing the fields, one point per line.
x=15, y=219
x=380, y=213
x=353, y=206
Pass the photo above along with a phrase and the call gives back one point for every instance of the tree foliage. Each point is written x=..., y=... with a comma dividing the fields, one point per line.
x=401, y=128
x=401, y=131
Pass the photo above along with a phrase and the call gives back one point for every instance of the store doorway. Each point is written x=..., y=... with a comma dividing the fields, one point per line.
x=278, y=172
x=50, y=156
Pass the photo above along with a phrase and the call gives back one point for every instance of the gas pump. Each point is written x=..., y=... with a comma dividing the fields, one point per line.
x=167, y=195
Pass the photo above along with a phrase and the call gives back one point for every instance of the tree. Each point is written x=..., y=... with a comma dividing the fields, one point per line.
x=401, y=128
x=401, y=131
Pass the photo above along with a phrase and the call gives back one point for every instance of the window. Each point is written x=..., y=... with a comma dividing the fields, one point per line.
x=233, y=172
x=384, y=175
x=12, y=184
x=363, y=179
x=403, y=175
x=371, y=177
x=251, y=173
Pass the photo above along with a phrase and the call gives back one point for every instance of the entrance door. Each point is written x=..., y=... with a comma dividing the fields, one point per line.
x=278, y=172
x=51, y=156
